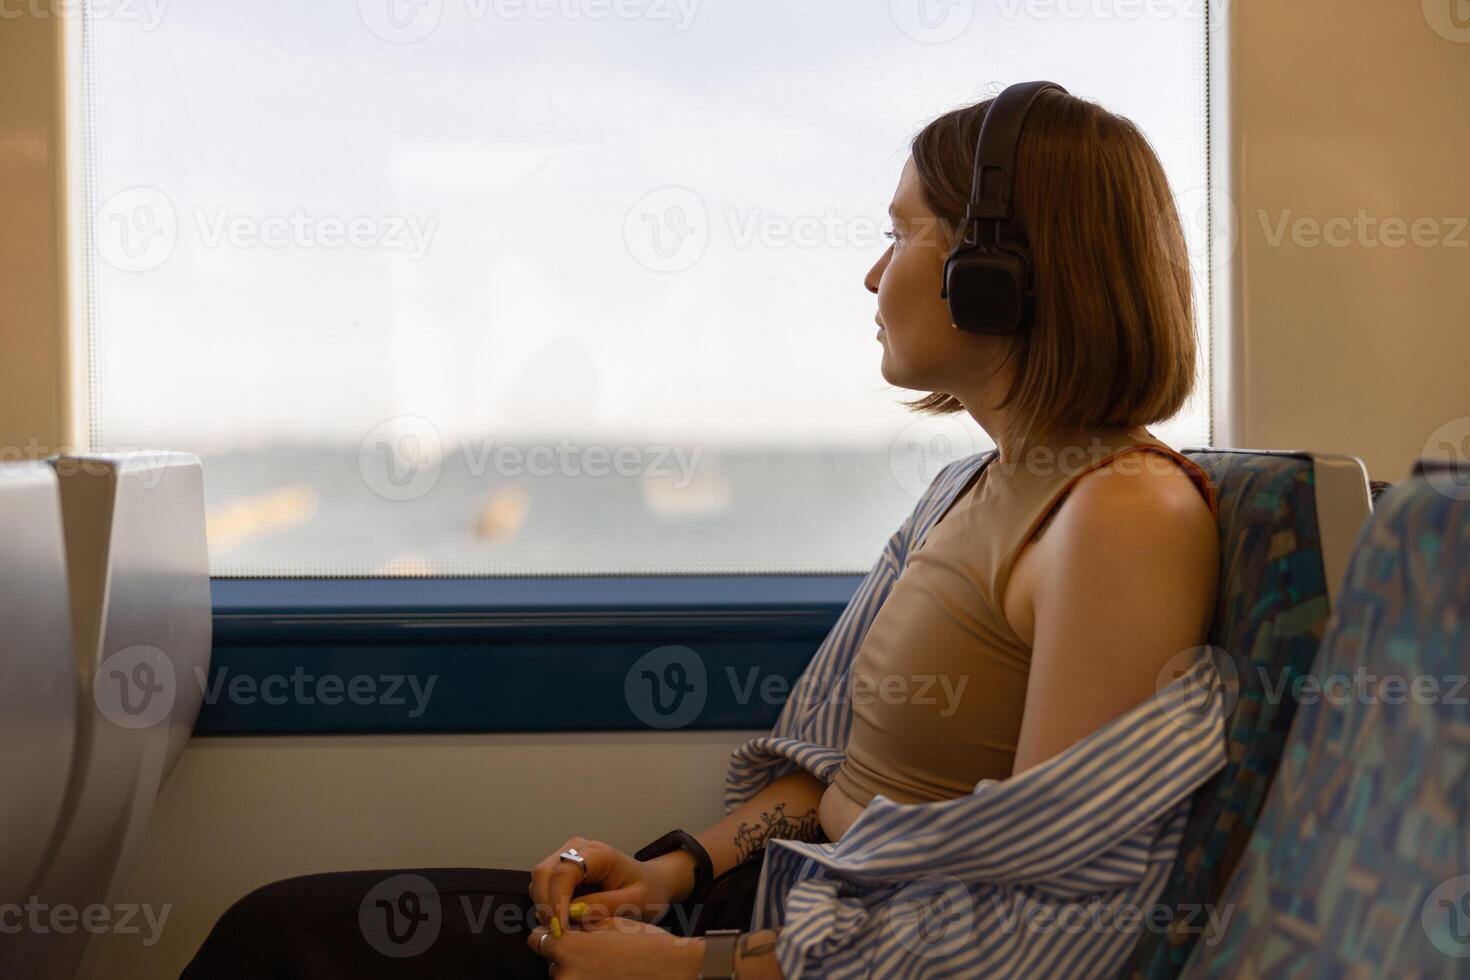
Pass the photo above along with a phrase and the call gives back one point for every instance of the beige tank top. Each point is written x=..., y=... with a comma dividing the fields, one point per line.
x=939, y=682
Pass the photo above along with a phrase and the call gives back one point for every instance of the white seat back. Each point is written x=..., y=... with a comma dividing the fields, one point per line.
x=1344, y=504
x=138, y=573
x=38, y=682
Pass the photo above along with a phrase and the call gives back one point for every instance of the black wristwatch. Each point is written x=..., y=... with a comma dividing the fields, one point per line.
x=704, y=868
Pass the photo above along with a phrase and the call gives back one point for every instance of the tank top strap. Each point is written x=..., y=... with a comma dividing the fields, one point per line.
x=1015, y=498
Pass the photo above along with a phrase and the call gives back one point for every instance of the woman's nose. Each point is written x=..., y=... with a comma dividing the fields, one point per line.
x=875, y=274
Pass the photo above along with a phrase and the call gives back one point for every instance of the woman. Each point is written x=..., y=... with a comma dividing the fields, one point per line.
x=1056, y=586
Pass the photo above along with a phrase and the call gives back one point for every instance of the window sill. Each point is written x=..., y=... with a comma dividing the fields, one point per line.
x=397, y=655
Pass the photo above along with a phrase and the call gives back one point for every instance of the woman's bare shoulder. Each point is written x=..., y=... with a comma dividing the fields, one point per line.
x=1140, y=485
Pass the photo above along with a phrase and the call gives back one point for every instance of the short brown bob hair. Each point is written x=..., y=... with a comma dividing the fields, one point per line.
x=1112, y=340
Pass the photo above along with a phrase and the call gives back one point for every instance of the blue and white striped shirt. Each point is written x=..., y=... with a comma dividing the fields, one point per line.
x=1051, y=873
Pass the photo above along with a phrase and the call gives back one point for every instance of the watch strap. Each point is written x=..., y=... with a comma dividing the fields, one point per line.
x=704, y=868
x=719, y=954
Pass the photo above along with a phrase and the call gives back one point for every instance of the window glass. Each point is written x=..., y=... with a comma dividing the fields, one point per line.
x=505, y=287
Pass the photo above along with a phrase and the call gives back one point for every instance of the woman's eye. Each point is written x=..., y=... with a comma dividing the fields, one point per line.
x=890, y=235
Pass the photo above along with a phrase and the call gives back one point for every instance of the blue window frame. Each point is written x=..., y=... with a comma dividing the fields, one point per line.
x=400, y=655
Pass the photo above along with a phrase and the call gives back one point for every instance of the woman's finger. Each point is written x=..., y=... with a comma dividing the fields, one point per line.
x=564, y=879
x=541, y=878
x=561, y=886
x=608, y=922
x=601, y=905
x=543, y=943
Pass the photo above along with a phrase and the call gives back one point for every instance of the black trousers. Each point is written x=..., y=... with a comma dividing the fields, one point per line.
x=440, y=923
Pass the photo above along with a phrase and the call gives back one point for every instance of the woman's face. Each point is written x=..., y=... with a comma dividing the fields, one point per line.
x=922, y=348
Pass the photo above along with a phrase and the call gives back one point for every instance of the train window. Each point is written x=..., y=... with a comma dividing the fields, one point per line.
x=518, y=287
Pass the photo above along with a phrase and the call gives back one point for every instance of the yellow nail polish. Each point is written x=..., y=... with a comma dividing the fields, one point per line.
x=555, y=927
x=577, y=909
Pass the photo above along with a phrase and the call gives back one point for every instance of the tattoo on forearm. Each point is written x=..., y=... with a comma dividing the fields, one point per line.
x=750, y=839
x=750, y=945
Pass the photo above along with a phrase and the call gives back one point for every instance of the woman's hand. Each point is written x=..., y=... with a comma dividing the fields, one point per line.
x=615, y=884
x=618, y=948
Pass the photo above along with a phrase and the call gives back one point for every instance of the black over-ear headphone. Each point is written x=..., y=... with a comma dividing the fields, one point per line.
x=987, y=278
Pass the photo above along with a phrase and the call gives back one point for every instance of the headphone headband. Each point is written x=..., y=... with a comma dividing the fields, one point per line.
x=997, y=148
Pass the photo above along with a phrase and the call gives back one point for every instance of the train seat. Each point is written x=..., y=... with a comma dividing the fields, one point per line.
x=38, y=679
x=1288, y=521
x=138, y=580
x=1360, y=862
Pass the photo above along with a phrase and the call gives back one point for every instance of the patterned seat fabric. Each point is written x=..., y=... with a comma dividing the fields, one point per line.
x=1270, y=616
x=1361, y=862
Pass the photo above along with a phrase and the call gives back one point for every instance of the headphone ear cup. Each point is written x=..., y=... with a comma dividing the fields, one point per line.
x=987, y=290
